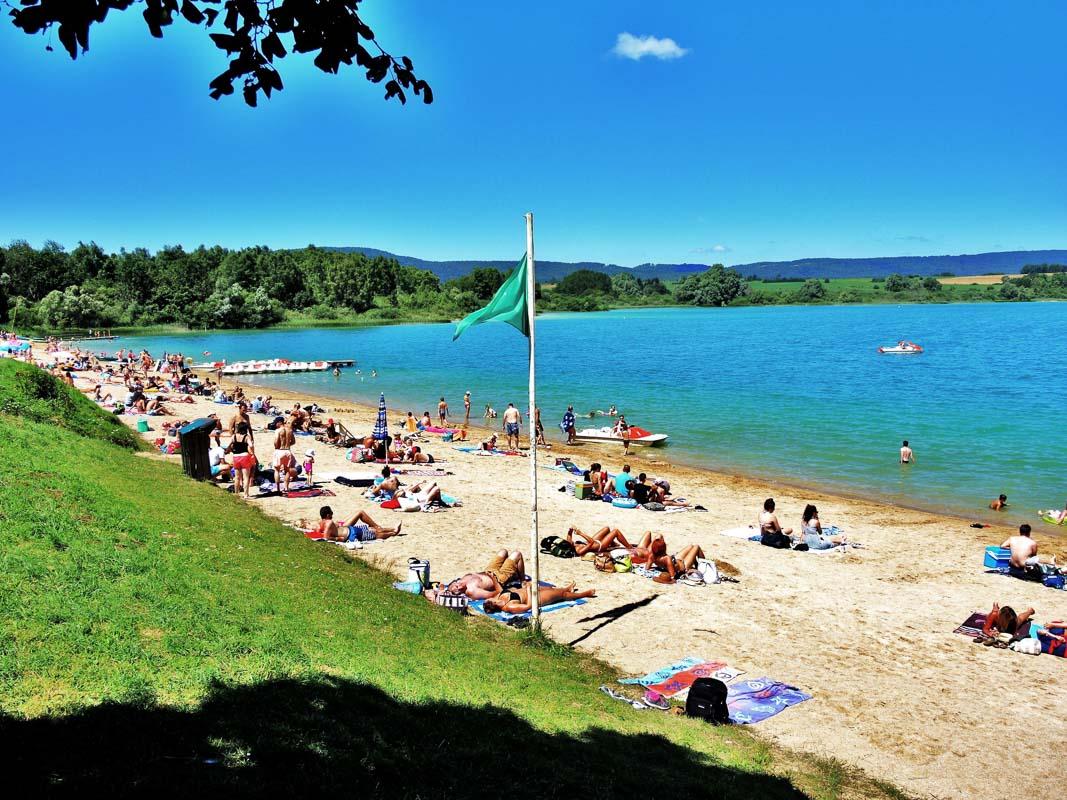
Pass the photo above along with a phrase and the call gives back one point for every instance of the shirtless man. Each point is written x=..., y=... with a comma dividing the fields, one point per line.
x=390, y=484
x=512, y=420
x=907, y=455
x=505, y=567
x=359, y=528
x=1023, y=563
x=1000, y=503
x=283, y=460
x=240, y=415
x=442, y=413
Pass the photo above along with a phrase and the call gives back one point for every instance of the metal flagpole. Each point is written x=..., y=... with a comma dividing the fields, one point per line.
x=535, y=546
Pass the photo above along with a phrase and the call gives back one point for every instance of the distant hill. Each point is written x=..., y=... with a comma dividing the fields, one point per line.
x=552, y=271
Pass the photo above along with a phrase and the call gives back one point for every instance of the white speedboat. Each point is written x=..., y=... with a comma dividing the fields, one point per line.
x=635, y=435
x=273, y=365
x=901, y=348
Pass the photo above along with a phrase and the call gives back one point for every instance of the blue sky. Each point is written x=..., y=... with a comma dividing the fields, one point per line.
x=762, y=131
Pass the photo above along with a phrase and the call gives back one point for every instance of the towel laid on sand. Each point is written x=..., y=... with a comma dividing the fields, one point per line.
x=972, y=626
x=756, y=700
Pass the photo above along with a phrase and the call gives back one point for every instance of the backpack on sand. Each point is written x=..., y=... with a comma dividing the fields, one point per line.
x=555, y=546
x=707, y=701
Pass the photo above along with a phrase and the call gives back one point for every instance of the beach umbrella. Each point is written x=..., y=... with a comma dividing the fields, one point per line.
x=381, y=426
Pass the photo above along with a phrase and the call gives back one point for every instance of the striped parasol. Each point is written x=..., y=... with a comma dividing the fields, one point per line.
x=381, y=427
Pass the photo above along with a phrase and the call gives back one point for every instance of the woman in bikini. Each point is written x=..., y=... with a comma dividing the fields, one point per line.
x=517, y=601
x=244, y=458
x=602, y=541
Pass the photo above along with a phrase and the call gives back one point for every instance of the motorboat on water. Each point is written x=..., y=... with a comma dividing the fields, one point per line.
x=634, y=435
x=901, y=348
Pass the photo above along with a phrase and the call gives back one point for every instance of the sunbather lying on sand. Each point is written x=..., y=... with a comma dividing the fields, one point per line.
x=504, y=568
x=681, y=562
x=423, y=492
x=358, y=528
x=517, y=601
x=600, y=542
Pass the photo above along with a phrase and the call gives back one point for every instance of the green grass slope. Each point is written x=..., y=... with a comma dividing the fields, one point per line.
x=158, y=636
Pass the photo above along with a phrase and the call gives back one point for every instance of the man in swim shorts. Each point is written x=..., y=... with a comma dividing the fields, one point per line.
x=359, y=528
x=503, y=568
x=512, y=420
x=906, y=453
x=1000, y=503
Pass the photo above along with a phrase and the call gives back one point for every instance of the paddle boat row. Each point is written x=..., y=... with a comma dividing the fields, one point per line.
x=268, y=366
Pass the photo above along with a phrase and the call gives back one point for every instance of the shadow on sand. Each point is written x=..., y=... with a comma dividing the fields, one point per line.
x=327, y=736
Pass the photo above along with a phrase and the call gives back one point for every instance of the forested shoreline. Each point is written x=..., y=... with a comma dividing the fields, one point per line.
x=53, y=289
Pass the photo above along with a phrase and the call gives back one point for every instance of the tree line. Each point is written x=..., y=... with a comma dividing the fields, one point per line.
x=50, y=288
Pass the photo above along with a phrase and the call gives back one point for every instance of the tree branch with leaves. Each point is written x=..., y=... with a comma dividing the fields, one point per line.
x=254, y=36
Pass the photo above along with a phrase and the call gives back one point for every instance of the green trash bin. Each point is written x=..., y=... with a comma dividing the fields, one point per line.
x=195, y=439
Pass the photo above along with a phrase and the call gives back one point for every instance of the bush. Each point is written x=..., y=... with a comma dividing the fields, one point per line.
x=895, y=283
x=932, y=284
x=583, y=282
x=716, y=286
x=811, y=290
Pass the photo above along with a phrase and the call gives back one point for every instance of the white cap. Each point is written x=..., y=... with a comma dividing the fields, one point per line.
x=310, y=454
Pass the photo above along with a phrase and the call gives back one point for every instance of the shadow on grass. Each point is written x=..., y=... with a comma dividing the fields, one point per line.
x=337, y=736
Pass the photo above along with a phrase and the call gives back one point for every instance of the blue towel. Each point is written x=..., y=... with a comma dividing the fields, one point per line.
x=477, y=606
x=756, y=700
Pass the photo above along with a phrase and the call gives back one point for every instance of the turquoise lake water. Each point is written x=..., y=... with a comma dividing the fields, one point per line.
x=797, y=394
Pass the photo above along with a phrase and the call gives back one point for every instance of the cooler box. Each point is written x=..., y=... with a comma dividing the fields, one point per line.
x=996, y=557
x=583, y=490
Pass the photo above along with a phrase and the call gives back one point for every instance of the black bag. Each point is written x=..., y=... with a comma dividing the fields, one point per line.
x=707, y=701
x=555, y=546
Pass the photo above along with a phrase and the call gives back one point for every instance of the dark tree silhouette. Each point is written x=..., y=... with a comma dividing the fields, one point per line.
x=253, y=33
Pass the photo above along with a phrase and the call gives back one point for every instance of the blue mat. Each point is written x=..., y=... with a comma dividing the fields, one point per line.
x=756, y=700
x=478, y=607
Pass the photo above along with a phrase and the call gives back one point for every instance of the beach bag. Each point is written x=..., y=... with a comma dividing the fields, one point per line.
x=707, y=701
x=555, y=546
x=604, y=563
x=1028, y=646
x=419, y=570
x=623, y=564
x=708, y=571
x=457, y=602
x=446, y=437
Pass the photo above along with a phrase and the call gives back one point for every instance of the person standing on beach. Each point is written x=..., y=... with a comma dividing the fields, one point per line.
x=512, y=421
x=906, y=454
x=467, y=408
x=539, y=428
x=568, y=425
x=442, y=413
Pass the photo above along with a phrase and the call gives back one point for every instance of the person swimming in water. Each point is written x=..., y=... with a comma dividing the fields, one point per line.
x=907, y=455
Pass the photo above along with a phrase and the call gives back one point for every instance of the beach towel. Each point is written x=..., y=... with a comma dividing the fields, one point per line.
x=478, y=607
x=972, y=626
x=681, y=681
x=309, y=493
x=724, y=674
x=421, y=473
x=756, y=700
x=746, y=532
x=435, y=429
x=663, y=674
x=480, y=452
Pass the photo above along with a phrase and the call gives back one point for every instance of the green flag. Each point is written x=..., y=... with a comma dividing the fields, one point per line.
x=509, y=305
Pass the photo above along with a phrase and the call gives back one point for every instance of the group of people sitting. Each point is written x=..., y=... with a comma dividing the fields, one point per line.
x=654, y=495
x=504, y=586
x=811, y=536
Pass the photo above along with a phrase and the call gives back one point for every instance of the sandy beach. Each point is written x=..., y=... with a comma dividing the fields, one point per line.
x=869, y=633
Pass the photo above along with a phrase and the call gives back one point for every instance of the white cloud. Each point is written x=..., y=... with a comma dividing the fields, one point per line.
x=637, y=47
x=714, y=249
